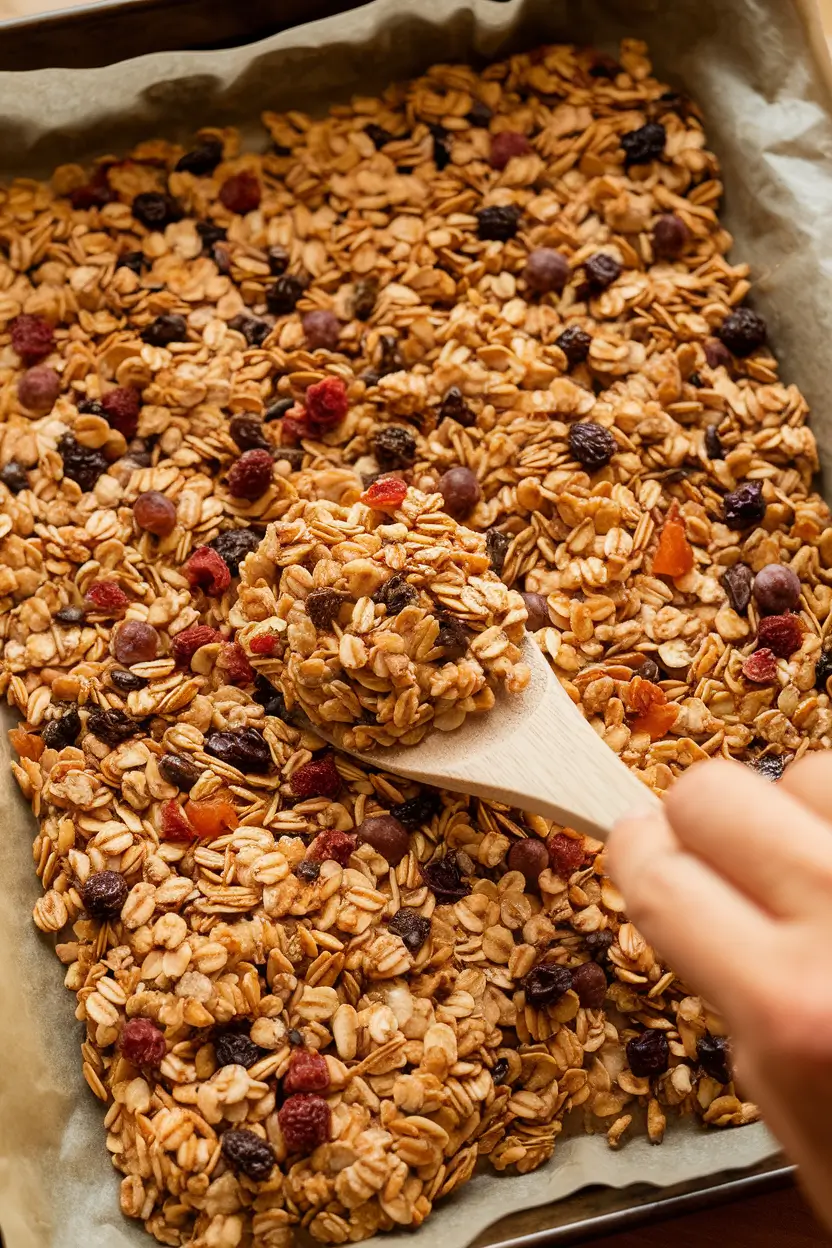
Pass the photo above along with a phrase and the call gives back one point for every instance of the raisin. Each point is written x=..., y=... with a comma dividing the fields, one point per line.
x=278, y=258
x=387, y=836
x=202, y=159
x=546, y=983
x=14, y=477
x=390, y=357
x=179, y=771
x=444, y=878
x=186, y=643
x=82, y=464
x=94, y=194
x=271, y=699
x=591, y=444
x=590, y=983
x=712, y=1052
x=823, y=669
x=322, y=330
x=670, y=237
x=452, y=637
x=234, y=544
x=209, y=571
x=135, y=642
x=135, y=261
x=649, y=1053
x=574, y=342
x=32, y=336
x=411, y=927
x=142, y=1043
x=417, y=811
x=529, y=857
x=317, y=778
x=601, y=271
x=394, y=447
x=155, y=209
x=598, y=944
x=396, y=594
x=246, y=749
x=454, y=407
x=737, y=582
x=546, y=270
x=377, y=135
x=500, y=1070
x=783, y=634
x=322, y=606
x=253, y=328
x=327, y=403
x=385, y=494
x=241, y=192
x=59, y=733
x=282, y=297
x=308, y=870
x=38, y=388
x=713, y=445
x=742, y=332
x=364, y=297
x=566, y=854
x=70, y=615
x=247, y=432
x=112, y=726
x=460, y=491
x=776, y=589
x=103, y=894
x=716, y=354
x=249, y=1153
x=308, y=1072
x=480, y=115
x=106, y=598
x=251, y=475
x=211, y=233
x=126, y=682
x=769, y=766
x=232, y=664
x=538, y=612
x=745, y=506
x=121, y=410
x=505, y=146
x=644, y=144
x=165, y=329
x=234, y=1049
x=305, y=1122
x=496, y=547
x=498, y=224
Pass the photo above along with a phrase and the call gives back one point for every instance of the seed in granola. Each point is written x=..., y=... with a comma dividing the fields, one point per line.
x=135, y=642
x=135, y=261
x=327, y=403
x=649, y=670
x=121, y=410
x=232, y=664
x=769, y=766
x=323, y=605
x=233, y=545
x=126, y=682
x=112, y=726
x=186, y=643
x=209, y=571
x=496, y=547
x=38, y=388
x=591, y=444
x=670, y=237
x=254, y=329
x=776, y=589
x=712, y=1052
x=454, y=407
x=32, y=337
x=498, y=223
x=744, y=506
x=246, y=748
x=305, y=1122
x=386, y=835
x=546, y=270
x=649, y=1053
x=460, y=490
x=322, y=330
x=308, y=870
x=574, y=342
x=500, y=1070
x=444, y=878
x=155, y=512
x=317, y=778
x=70, y=615
x=394, y=447
x=598, y=944
x=823, y=669
x=232, y=1048
x=284, y=294
x=179, y=771
x=247, y=432
x=165, y=329
x=396, y=594
x=364, y=296
x=15, y=477
x=452, y=637
x=781, y=633
x=601, y=270
x=155, y=209
x=308, y=1072
x=590, y=983
x=716, y=354
x=505, y=146
x=63, y=731
x=743, y=331
x=103, y=894
x=546, y=983
x=250, y=476
x=202, y=159
x=241, y=192
x=411, y=927
x=142, y=1043
x=737, y=581
x=106, y=597
x=538, y=612
x=566, y=854
x=644, y=144
x=480, y=115
x=529, y=857
x=82, y=464
x=713, y=445
x=249, y=1153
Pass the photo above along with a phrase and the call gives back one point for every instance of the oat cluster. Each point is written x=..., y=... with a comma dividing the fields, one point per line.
x=315, y=996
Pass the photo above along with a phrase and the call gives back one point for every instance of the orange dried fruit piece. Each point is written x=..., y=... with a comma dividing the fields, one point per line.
x=654, y=714
x=674, y=554
x=657, y=721
x=26, y=744
x=212, y=816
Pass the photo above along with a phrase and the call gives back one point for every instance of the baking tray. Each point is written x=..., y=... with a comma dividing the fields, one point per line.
x=108, y=31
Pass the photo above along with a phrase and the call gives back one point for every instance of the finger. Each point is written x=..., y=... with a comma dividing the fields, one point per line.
x=710, y=934
x=776, y=851
x=810, y=781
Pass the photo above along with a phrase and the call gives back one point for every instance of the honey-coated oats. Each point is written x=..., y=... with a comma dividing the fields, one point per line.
x=315, y=995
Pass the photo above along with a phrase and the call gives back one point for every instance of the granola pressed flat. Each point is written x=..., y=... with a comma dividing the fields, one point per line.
x=314, y=996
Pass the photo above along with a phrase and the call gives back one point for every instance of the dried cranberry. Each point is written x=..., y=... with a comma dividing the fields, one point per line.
x=591, y=444
x=460, y=491
x=417, y=811
x=601, y=270
x=38, y=388
x=249, y=1153
x=234, y=544
x=566, y=854
x=394, y=447
x=317, y=778
x=202, y=159
x=745, y=506
x=112, y=726
x=135, y=642
x=364, y=297
x=385, y=494
x=155, y=209
x=82, y=464
x=823, y=669
x=713, y=445
x=496, y=547
x=327, y=403
x=61, y=732
x=769, y=766
x=155, y=513
x=574, y=342
x=649, y=1053
x=175, y=826
x=498, y=223
x=70, y=615
x=644, y=144
x=246, y=748
x=247, y=432
x=598, y=944
x=232, y=664
x=305, y=1122
x=308, y=1072
x=776, y=589
x=126, y=682
x=737, y=582
x=387, y=836
x=234, y=1049
x=323, y=605
x=251, y=475
x=253, y=328
x=454, y=407
x=135, y=261
x=529, y=857
x=241, y=192
x=284, y=294
x=165, y=329
x=538, y=610
x=444, y=878
x=106, y=597
x=322, y=330
x=209, y=571
x=505, y=146
x=781, y=633
x=121, y=410
x=32, y=336
x=179, y=771
x=546, y=270
x=186, y=643
x=411, y=927
x=670, y=237
x=142, y=1043
x=546, y=983
x=14, y=477
x=590, y=983
x=743, y=331
x=103, y=894
x=713, y=1052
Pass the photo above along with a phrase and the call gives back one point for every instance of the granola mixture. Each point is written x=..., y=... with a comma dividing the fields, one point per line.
x=314, y=996
x=384, y=616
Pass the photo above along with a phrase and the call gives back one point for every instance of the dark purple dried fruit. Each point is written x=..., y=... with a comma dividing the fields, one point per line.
x=452, y=637
x=590, y=983
x=396, y=594
x=777, y=589
x=246, y=749
x=364, y=296
x=211, y=233
x=294, y=1036
x=591, y=444
x=574, y=342
x=126, y=682
x=442, y=145
x=394, y=447
x=717, y=355
x=480, y=115
x=155, y=209
x=179, y=771
x=644, y=144
x=538, y=611
x=444, y=879
x=713, y=1052
x=323, y=605
x=387, y=836
x=271, y=699
x=254, y=330
x=823, y=669
x=546, y=984
x=135, y=261
x=648, y=1054
x=202, y=159
x=546, y=270
x=82, y=464
x=696, y=381
x=248, y=1153
x=454, y=407
x=498, y=223
x=165, y=329
x=460, y=491
x=234, y=544
x=61, y=732
x=417, y=811
x=598, y=944
x=411, y=926
x=496, y=547
x=670, y=237
x=529, y=856
x=737, y=582
x=112, y=726
x=247, y=432
x=713, y=446
x=308, y=869
x=15, y=477
x=70, y=615
x=744, y=506
x=500, y=1070
x=103, y=894
x=234, y=1049
x=390, y=357
x=743, y=331
x=601, y=270
x=769, y=766
x=377, y=135
x=282, y=297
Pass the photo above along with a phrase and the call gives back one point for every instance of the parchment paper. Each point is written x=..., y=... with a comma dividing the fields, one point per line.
x=760, y=70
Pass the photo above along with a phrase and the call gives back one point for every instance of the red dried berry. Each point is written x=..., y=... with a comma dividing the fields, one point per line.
x=186, y=643
x=295, y=426
x=506, y=145
x=781, y=633
x=332, y=844
x=106, y=597
x=121, y=410
x=306, y=1122
x=322, y=330
x=241, y=192
x=174, y=825
x=251, y=475
x=385, y=494
x=308, y=1072
x=38, y=388
x=761, y=666
x=209, y=571
x=566, y=854
x=264, y=643
x=233, y=664
x=326, y=402
x=318, y=778
x=142, y=1043
x=32, y=336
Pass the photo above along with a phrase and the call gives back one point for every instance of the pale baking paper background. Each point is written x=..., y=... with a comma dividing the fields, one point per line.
x=760, y=70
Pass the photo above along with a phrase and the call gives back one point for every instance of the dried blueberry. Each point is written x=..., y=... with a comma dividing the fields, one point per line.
x=165, y=329
x=601, y=270
x=644, y=144
x=234, y=544
x=823, y=669
x=394, y=447
x=14, y=477
x=411, y=926
x=202, y=159
x=649, y=1053
x=82, y=464
x=282, y=297
x=253, y=329
x=546, y=984
x=234, y=1049
x=737, y=581
x=590, y=983
x=574, y=342
x=396, y=594
x=591, y=444
x=670, y=237
x=498, y=223
x=112, y=726
x=155, y=209
x=417, y=811
x=743, y=331
x=278, y=258
x=249, y=1153
x=712, y=1052
x=64, y=731
x=126, y=682
x=454, y=407
x=103, y=894
x=179, y=771
x=308, y=869
x=246, y=749
x=777, y=589
x=444, y=879
x=496, y=547
x=460, y=491
x=744, y=506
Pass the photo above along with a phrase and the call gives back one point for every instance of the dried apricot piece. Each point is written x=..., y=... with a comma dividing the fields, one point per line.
x=212, y=816
x=657, y=721
x=674, y=555
x=654, y=714
x=25, y=744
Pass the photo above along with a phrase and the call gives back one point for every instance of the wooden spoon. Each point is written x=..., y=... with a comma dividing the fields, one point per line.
x=534, y=751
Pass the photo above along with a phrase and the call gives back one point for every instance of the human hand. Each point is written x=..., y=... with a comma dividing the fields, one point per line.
x=733, y=886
